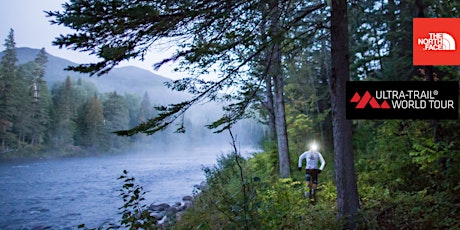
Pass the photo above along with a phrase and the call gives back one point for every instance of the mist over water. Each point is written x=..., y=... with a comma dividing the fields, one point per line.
x=63, y=193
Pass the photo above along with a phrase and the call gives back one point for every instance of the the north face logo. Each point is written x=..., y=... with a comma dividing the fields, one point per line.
x=437, y=41
x=368, y=99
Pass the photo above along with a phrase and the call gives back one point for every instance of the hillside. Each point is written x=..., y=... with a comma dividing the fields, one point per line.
x=135, y=80
x=122, y=79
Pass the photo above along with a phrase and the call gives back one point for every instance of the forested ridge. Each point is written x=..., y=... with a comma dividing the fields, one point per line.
x=69, y=119
x=71, y=116
x=286, y=62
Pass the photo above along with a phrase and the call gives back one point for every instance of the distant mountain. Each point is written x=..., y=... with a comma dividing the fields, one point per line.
x=122, y=79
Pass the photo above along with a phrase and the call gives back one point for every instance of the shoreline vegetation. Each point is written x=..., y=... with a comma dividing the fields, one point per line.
x=246, y=193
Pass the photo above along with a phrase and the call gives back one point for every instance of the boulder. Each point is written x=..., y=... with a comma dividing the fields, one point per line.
x=181, y=208
x=177, y=204
x=157, y=216
x=171, y=210
x=187, y=198
x=159, y=207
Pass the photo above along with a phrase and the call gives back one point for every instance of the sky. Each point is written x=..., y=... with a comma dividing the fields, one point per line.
x=32, y=29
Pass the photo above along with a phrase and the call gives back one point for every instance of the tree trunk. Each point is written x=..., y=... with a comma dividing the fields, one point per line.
x=265, y=59
x=281, y=130
x=429, y=73
x=270, y=109
x=347, y=189
x=278, y=96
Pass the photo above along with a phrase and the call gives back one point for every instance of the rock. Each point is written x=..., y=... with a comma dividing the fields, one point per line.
x=202, y=186
x=164, y=212
x=181, y=208
x=159, y=207
x=177, y=204
x=187, y=198
x=171, y=210
x=186, y=205
x=157, y=216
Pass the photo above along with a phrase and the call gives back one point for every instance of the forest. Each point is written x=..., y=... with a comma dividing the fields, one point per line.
x=71, y=117
x=286, y=63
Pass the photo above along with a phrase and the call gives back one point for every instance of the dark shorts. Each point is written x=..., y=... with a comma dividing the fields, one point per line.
x=311, y=175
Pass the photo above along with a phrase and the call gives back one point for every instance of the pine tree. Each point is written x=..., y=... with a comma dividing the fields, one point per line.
x=41, y=101
x=32, y=116
x=275, y=74
x=345, y=177
x=8, y=94
x=146, y=109
x=92, y=126
x=23, y=118
x=116, y=116
x=64, y=115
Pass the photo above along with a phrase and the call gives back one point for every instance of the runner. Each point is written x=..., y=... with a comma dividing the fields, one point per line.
x=312, y=157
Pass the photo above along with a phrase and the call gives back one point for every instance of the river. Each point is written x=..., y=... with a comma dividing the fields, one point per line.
x=64, y=193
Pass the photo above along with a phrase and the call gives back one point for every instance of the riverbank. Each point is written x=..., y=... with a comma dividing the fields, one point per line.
x=66, y=192
x=166, y=214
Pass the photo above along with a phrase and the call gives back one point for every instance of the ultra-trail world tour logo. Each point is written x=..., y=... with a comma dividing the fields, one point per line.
x=436, y=41
x=402, y=100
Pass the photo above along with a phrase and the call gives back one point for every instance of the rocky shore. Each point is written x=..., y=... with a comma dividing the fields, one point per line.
x=167, y=214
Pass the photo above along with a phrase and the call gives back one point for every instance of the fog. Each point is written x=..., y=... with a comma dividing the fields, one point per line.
x=65, y=192
x=62, y=193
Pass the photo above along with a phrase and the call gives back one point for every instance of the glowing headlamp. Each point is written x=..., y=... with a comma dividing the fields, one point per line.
x=313, y=147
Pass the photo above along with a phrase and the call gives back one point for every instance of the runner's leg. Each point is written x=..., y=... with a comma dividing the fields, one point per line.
x=307, y=183
x=314, y=177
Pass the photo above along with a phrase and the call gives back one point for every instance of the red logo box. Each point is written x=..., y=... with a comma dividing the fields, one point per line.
x=436, y=41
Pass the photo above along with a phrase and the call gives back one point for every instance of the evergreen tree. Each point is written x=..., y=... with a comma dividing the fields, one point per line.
x=23, y=117
x=83, y=91
x=345, y=177
x=92, y=127
x=146, y=109
x=133, y=101
x=116, y=116
x=41, y=102
x=64, y=115
x=8, y=94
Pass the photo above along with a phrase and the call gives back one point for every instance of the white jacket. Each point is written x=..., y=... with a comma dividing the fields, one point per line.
x=312, y=158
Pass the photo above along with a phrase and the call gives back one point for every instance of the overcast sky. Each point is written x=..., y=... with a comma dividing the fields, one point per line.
x=32, y=29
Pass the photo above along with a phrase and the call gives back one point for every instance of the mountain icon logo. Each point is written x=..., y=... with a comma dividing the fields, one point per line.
x=366, y=99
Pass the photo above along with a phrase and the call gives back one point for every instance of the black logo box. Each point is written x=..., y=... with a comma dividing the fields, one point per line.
x=447, y=90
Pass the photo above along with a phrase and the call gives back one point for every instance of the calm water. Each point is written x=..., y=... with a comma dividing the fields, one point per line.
x=63, y=193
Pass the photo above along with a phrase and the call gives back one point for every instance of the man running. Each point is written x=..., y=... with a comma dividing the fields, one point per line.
x=313, y=157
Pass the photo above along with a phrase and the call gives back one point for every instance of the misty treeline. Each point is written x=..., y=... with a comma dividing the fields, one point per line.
x=72, y=117
x=289, y=60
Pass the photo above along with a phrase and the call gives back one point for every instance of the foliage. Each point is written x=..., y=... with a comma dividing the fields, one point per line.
x=135, y=214
x=230, y=36
x=116, y=117
x=408, y=210
x=407, y=170
x=412, y=182
x=247, y=194
x=92, y=124
x=24, y=103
